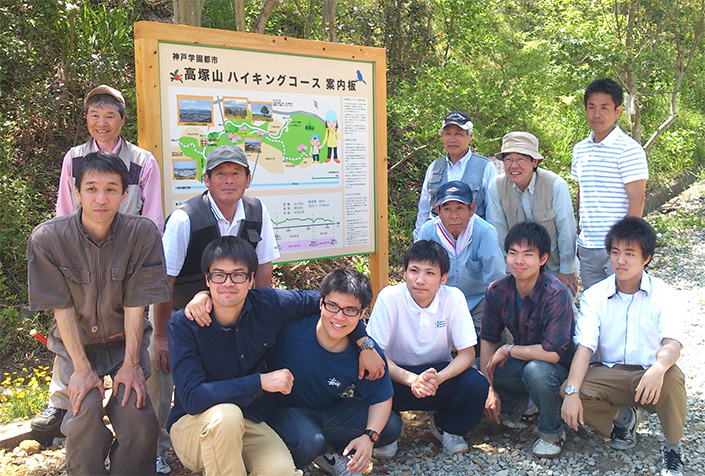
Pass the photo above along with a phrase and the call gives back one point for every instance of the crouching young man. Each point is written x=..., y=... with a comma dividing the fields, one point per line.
x=632, y=319
x=536, y=308
x=416, y=323
x=324, y=363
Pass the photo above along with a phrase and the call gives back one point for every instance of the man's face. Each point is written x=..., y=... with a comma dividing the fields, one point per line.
x=519, y=168
x=227, y=183
x=336, y=324
x=100, y=195
x=525, y=261
x=602, y=114
x=104, y=124
x=455, y=216
x=628, y=262
x=456, y=141
x=228, y=294
x=423, y=280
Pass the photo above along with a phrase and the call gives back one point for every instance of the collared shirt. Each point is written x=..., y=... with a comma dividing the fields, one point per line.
x=150, y=188
x=477, y=265
x=68, y=269
x=178, y=233
x=455, y=172
x=562, y=205
x=545, y=316
x=628, y=329
x=602, y=169
x=414, y=335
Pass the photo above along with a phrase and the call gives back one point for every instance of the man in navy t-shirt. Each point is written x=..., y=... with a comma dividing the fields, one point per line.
x=324, y=363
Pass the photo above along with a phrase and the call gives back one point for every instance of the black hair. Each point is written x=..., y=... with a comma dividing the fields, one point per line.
x=530, y=234
x=232, y=248
x=100, y=100
x=429, y=252
x=633, y=230
x=348, y=281
x=102, y=162
x=606, y=86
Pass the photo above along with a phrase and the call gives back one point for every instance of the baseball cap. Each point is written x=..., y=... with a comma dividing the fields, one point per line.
x=458, y=118
x=226, y=153
x=521, y=143
x=454, y=190
x=104, y=89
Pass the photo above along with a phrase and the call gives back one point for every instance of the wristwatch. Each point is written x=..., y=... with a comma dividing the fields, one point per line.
x=367, y=344
x=570, y=390
x=374, y=436
x=509, y=349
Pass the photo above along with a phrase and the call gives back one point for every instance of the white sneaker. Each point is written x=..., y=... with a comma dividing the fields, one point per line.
x=548, y=449
x=387, y=451
x=452, y=444
x=162, y=466
x=334, y=464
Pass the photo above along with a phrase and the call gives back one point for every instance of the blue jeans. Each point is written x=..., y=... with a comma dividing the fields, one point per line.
x=541, y=381
x=458, y=403
x=308, y=433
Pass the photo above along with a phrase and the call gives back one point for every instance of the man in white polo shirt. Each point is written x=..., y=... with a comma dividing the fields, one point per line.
x=611, y=171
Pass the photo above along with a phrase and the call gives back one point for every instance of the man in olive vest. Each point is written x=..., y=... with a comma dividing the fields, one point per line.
x=527, y=192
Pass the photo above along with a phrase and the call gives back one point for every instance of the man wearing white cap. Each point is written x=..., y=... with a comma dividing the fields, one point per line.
x=459, y=163
x=527, y=192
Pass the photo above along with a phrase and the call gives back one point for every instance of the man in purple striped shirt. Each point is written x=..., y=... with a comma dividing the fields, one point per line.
x=536, y=308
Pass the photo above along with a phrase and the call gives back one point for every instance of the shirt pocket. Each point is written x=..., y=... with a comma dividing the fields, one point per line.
x=76, y=275
x=544, y=216
x=260, y=345
x=118, y=273
x=474, y=267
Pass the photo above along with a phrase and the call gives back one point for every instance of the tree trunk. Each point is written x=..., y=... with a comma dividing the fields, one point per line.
x=329, y=19
x=240, y=24
x=267, y=9
x=188, y=12
x=630, y=75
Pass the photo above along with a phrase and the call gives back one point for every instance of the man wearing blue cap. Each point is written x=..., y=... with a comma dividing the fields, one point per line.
x=472, y=245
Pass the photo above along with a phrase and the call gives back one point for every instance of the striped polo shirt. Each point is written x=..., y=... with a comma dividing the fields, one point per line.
x=602, y=169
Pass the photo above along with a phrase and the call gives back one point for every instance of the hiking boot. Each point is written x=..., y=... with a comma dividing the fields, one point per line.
x=452, y=444
x=387, y=451
x=548, y=449
x=672, y=464
x=624, y=438
x=334, y=464
x=49, y=420
x=162, y=466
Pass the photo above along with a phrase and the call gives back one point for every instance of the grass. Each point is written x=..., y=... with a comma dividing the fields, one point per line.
x=23, y=393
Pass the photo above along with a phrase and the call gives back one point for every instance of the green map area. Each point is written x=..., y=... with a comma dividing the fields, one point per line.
x=289, y=141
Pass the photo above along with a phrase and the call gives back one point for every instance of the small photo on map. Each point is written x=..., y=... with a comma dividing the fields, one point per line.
x=195, y=110
x=184, y=169
x=253, y=145
x=261, y=111
x=235, y=108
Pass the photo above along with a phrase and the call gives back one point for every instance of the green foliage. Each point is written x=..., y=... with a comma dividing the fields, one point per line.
x=15, y=339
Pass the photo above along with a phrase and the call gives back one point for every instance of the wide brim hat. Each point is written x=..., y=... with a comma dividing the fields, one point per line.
x=520, y=143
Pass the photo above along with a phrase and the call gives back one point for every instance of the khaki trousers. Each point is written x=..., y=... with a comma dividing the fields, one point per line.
x=605, y=389
x=221, y=441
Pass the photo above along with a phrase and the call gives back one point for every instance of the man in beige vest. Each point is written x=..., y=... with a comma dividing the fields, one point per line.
x=526, y=192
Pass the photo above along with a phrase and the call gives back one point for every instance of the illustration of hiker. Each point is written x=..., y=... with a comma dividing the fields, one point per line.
x=332, y=136
x=315, y=148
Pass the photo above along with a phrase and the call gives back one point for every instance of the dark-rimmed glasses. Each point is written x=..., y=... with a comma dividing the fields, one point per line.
x=347, y=311
x=236, y=277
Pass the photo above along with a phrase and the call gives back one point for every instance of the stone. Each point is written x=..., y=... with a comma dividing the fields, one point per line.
x=30, y=446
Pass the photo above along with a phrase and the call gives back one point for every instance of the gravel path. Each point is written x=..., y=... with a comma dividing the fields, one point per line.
x=680, y=260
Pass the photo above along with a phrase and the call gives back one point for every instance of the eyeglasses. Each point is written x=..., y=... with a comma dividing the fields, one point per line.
x=237, y=277
x=521, y=160
x=347, y=311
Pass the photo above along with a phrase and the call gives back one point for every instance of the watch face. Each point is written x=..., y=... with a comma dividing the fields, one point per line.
x=569, y=390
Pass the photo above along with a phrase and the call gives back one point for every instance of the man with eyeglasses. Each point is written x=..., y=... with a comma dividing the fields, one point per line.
x=459, y=163
x=324, y=363
x=223, y=391
x=527, y=192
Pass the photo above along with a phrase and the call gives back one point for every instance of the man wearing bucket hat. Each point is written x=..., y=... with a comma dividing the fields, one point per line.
x=475, y=256
x=104, y=108
x=527, y=192
x=459, y=163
